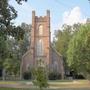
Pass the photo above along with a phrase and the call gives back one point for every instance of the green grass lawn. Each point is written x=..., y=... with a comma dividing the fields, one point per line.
x=53, y=85
x=47, y=89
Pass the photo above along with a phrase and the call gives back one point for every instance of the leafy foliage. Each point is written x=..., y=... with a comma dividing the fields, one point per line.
x=3, y=50
x=40, y=77
x=12, y=38
x=78, y=53
x=62, y=39
x=19, y=1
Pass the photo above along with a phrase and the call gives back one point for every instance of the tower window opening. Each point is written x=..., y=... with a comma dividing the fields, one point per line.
x=41, y=30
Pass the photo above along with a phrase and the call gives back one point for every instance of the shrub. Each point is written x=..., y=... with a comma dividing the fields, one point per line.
x=27, y=75
x=54, y=76
x=40, y=77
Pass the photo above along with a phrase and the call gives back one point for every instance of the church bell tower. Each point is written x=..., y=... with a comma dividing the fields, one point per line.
x=40, y=38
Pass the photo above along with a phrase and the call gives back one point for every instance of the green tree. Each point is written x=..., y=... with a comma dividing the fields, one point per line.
x=11, y=63
x=3, y=50
x=62, y=39
x=25, y=44
x=63, y=36
x=40, y=76
x=7, y=30
x=7, y=13
x=78, y=54
x=16, y=47
x=19, y=1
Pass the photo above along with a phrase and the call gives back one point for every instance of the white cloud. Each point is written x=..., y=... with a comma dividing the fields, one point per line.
x=73, y=16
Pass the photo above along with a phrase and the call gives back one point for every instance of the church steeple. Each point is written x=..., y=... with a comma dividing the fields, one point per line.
x=40, y=35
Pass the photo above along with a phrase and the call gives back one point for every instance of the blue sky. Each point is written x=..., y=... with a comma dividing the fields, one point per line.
x=62, y=11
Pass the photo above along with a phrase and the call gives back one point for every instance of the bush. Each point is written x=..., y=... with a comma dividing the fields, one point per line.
x=79, y=77
x=40, y=77
x=54, y=76
x=27, y=75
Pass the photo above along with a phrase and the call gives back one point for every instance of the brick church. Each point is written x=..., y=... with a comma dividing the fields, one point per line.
x=41, y=48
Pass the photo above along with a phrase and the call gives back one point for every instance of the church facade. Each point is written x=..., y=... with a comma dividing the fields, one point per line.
x=41, y=48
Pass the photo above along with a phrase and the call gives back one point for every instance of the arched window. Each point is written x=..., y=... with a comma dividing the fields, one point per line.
x=40, y=30
x=39, y=47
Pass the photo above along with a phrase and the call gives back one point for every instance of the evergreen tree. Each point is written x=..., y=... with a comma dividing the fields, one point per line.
x=40, y=76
